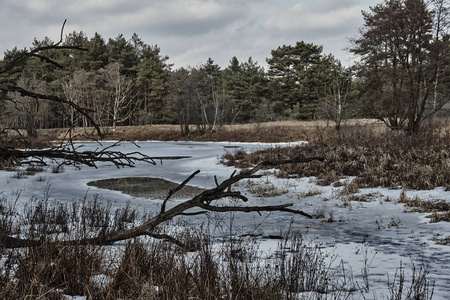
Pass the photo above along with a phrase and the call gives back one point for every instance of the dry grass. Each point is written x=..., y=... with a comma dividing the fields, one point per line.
x=442, y=241
x=349, y=188
x=374, y=155
x=271, y=132
x=149, y=269
x=426, y=206
x=266, y=189
x=439, y=209
x=311, y=192
x=152, y=269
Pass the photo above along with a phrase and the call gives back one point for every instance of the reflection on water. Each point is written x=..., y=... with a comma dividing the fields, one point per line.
x=146, y=187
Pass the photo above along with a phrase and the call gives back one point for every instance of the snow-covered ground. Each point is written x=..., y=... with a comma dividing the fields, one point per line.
x=377, y=233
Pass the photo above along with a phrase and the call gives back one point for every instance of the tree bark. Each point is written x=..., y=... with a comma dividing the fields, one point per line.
x=201, y=201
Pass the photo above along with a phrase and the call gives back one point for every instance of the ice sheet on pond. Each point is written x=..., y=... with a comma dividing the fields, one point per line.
x=378, y=229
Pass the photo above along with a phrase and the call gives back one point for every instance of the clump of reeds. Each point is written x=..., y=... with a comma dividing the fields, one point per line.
x=439, y=209
x=374, y=156
x=145, y=268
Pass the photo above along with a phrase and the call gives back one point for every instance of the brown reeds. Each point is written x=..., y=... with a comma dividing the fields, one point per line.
x=230, y=268
x=374, y=155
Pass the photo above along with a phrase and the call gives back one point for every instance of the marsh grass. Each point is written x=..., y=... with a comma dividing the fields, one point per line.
x=439, y=209
x=266, y=189
x=417, y=288
x=311, y=192
x=350, y=188
x=146, y=268
x=271, y=132
x=442, y=241
x=143, y=268
x=362, y=197
x=439, y=217
x=425, y=206
x=372, y=154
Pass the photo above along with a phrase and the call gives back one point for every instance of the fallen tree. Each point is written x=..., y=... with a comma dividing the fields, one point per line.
x=203, y=202
x=70, y=153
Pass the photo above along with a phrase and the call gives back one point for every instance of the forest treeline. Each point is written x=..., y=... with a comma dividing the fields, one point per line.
x=128, y=82
x=401, y=78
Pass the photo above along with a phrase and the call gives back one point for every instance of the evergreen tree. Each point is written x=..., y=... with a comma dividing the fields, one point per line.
x=14, y=74
x=152, y=81
x=77, y=59
x=96, y=56
x=184, y=103
x=122, y=51
x=292, y=77
x=247, y=83
x=403, y=53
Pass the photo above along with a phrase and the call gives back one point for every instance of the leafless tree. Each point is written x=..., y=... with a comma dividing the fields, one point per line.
x=336, y=91
x=121, y=103
x=78, y=90
x=25, y=112
x=18, y=151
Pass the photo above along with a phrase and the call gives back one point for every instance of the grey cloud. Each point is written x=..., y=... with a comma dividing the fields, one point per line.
x=189, y=31
x=324, y=6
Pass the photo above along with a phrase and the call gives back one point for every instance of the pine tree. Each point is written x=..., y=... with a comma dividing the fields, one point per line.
x=292, y=77
x=403, y=54
x=152, y=81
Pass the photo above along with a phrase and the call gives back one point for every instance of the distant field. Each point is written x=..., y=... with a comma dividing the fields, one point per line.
x=280, y=131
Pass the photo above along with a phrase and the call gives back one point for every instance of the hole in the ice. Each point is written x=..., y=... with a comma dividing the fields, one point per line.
x=146, y=187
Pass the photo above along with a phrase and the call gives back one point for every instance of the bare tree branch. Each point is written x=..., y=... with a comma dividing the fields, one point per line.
x=84, y=111
x=283, y=207
x=37, y=52
x=71, y=156
x=173, y=191
x=201, y=201
x=62, y=32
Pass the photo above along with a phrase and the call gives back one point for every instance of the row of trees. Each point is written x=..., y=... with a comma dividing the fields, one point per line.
x=128, y=82
x=401, y=79
x=113, y=79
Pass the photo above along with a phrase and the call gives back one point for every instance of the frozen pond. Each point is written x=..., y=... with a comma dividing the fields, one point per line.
x=377, y=231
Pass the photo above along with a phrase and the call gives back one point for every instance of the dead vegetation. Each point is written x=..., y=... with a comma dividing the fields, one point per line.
x=147, y=268
x=269, y=132
x=439, y=209
x=154, y=269
x=375, y=156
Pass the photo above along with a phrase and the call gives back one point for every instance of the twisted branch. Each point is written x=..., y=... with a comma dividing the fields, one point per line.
x=201, y=201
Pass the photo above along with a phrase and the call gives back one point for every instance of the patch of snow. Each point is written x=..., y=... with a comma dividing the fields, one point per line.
x=378, y=231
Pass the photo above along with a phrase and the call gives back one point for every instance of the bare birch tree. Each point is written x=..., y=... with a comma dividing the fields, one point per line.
x=78, y=90
x=120, y=100
x=336, y=91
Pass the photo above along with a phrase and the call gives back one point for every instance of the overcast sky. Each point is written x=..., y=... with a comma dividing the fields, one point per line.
x=190, y=31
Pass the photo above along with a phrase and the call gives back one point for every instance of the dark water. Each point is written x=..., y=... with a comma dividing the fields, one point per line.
x=146, y=187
